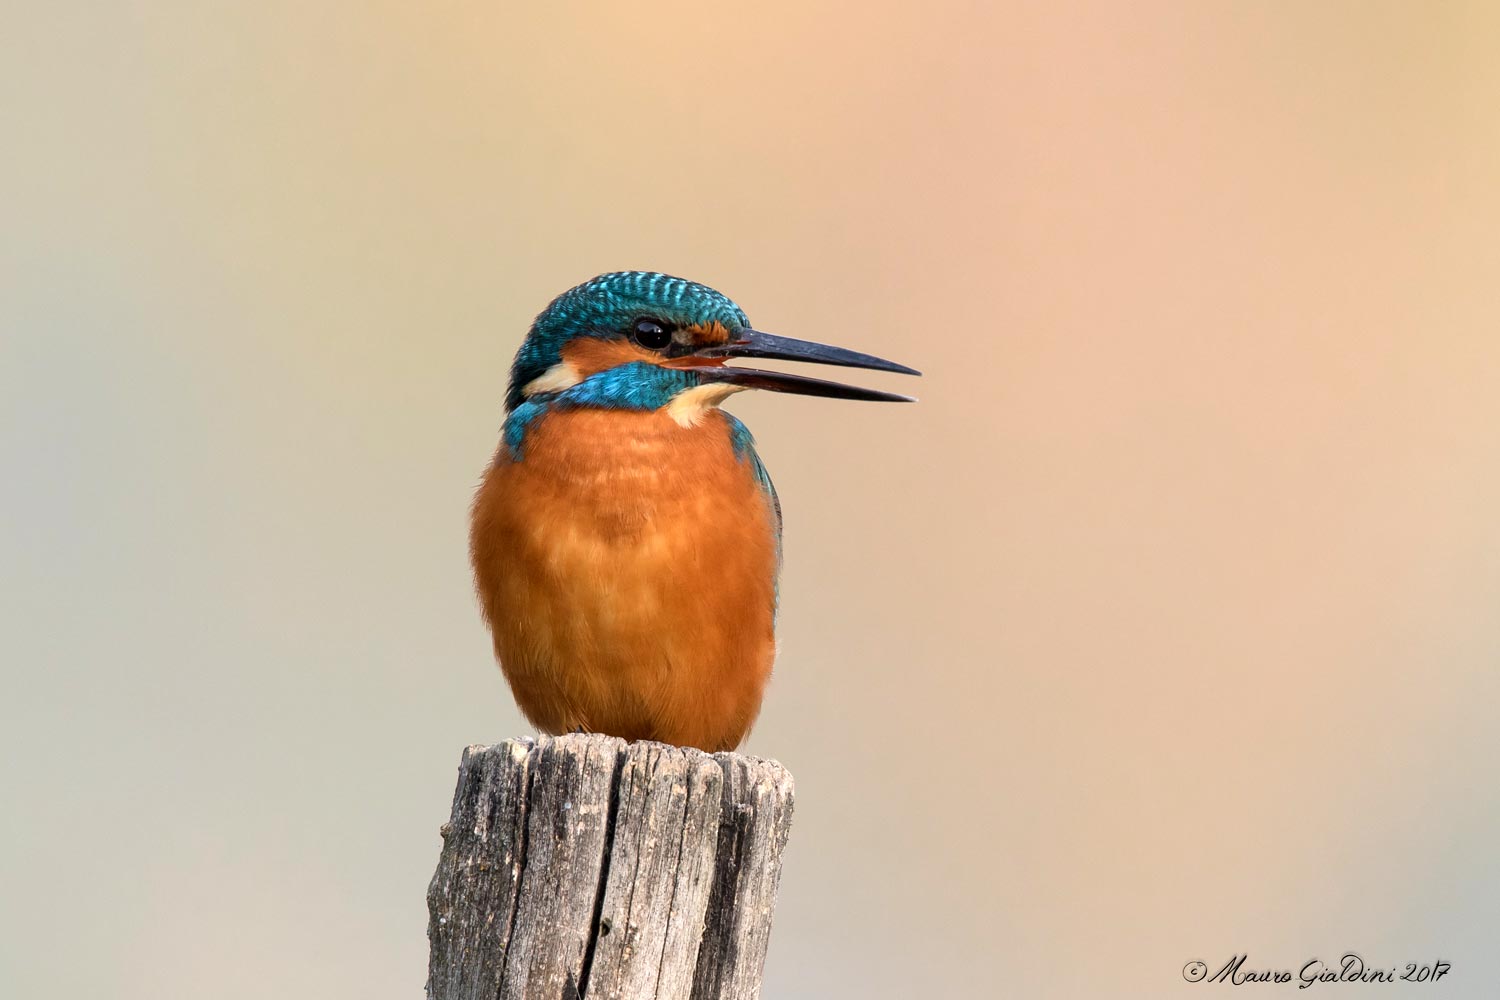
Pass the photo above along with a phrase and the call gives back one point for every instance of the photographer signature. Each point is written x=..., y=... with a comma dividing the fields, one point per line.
x=1349, y=969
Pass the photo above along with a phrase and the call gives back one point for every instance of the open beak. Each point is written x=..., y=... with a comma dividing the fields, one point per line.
x=748, y=343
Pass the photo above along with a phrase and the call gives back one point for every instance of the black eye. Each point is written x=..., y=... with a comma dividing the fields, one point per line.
x=652, y=334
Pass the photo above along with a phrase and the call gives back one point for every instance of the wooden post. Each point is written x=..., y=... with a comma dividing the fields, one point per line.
x=582, y=866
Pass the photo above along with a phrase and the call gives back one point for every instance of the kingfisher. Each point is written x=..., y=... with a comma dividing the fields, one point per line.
x=626, y=537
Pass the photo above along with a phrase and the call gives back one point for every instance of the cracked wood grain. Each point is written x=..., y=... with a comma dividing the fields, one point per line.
x=581, y=866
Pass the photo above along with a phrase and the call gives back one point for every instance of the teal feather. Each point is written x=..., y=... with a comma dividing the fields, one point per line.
x=607, y=307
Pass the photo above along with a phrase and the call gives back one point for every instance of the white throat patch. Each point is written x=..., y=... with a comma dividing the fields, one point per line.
x=690, y=406
x=555, y=379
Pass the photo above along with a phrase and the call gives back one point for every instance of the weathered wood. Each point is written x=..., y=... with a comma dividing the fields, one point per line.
x=757, y=815
x=473, y=895
x=567, y=842
x=582, y=866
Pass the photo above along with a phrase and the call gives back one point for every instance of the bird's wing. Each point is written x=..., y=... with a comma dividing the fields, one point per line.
x=744, y=447
x=764, y=479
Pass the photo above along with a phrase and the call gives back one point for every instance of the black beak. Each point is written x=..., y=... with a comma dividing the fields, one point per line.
x=754, y=344
x=748, y=343
x=755, y=378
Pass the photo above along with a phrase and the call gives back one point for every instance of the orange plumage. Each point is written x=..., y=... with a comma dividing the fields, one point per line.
x=626, y=539
x=627, y=569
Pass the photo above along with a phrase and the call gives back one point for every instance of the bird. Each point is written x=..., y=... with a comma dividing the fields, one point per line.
x=625, y=537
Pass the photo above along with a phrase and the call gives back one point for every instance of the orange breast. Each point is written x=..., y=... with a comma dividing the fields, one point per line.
x=627, y=568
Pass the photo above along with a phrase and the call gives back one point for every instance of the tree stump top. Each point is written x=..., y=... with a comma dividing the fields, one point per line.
x=582, y=866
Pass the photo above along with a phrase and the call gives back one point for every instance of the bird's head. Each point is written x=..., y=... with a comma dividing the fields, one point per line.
x=685, y=332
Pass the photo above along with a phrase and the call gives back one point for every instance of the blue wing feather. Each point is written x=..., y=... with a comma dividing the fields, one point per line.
x=744, y=448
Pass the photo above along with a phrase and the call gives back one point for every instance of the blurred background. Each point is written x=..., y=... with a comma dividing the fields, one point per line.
x=1165, y=628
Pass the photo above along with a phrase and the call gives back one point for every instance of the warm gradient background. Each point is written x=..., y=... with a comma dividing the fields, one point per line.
x=1165, y=627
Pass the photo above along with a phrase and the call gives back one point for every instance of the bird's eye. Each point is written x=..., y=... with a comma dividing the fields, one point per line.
x=652, y=334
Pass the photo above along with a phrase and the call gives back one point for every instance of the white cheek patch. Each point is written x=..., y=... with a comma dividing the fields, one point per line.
x=555, y=379
x=690, y=406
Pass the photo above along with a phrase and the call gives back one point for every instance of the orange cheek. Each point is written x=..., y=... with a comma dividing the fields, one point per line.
x=589, y=355
x=709, y=334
